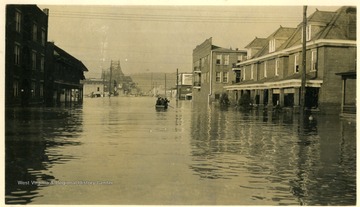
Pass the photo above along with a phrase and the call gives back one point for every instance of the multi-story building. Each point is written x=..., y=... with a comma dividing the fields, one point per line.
x=25, y=42
x=94, y=87
x=184, y=86
x=63, y=74
x=212, y=70
x=272, y=75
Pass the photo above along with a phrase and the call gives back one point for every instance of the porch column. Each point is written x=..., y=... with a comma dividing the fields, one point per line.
x=343, y=97
x=270, y=97
x=281, y=97
x=252, y=94
x=261, y=97
x=297, y=97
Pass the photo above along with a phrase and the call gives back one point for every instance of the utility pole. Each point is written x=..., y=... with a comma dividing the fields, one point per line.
x=152, y=85
x=111, y=65
x=177, y=84
x=165, y=85
x=303, y=71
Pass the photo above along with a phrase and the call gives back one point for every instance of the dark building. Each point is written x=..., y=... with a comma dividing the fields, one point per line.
x=62, y=77
x=25, y=43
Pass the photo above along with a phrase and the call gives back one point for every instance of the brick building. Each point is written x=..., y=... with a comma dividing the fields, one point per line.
x=212, y=70
x=63, y=74
x=25, y=44
x=271, y=75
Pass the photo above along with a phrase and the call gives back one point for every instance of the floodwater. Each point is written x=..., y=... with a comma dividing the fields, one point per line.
x=121, y=150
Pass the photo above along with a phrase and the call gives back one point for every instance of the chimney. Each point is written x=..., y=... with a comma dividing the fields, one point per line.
x=46, y=11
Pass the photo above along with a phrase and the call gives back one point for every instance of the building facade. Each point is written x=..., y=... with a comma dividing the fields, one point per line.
x=272, y=76
x=94, y=87
x=63, y=74
x=185, y=82
x=212, y=70
x=25, y=48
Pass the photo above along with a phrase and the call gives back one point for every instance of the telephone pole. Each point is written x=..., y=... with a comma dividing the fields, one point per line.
x=303, y=71
x=111, y=65
x=177, y=84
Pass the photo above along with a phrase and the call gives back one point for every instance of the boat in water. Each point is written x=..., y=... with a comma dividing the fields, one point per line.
x=161, y=103
x=160, y=107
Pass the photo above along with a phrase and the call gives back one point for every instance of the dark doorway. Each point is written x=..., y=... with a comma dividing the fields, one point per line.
x=289, y=100
x=276, y=99
x=266, y=96
x=311, y=97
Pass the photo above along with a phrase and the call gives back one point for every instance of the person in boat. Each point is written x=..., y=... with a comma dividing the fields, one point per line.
x=159, y=101
x=165, y=102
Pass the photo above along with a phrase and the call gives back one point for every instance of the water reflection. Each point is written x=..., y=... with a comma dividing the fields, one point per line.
x=315, y=166
x=33, y=137
x=185, y=155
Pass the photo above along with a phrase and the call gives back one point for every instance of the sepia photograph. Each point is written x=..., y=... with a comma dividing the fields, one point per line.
x=182, y=103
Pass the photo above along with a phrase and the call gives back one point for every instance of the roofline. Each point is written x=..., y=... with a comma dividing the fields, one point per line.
x=299, y=47
x=276, y=84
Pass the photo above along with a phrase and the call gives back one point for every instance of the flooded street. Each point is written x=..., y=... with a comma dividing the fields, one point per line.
x=120, y=150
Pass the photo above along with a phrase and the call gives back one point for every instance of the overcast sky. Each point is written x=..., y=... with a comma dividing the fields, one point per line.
x=149, y=38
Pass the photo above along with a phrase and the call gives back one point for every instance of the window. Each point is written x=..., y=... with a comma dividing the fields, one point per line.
x=226, y=60
x=42, y=63
x=16, y=88
x=239, y=58
x=225, y=77
x=272, y=45
x=237, y=76
x=218, y=59
x=34, y=32
x=33, y=60
x=41, y=89
x=18, y=21
x=17, y=54
x=244, y=77
x=252, y=72
x=33, y=89
x=197, y=66
x=308, y=32
x=248, y=53
x=313, y=60
x=265, y=69
x=277, y=65
x=218, y=77
x=202, y=64
x=197, y=79
x=296, y=63
x=43, y=37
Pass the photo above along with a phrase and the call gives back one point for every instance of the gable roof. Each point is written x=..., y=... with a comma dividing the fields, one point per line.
x=257, y=42
x=334, y=25
x=69, y=58
x=282, y=33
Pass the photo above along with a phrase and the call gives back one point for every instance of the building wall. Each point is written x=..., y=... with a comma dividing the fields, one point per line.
x=93, y=87
x=338, y=59
x=200, y=95
x=24, y=80
x=63, y=73
x=218, y=86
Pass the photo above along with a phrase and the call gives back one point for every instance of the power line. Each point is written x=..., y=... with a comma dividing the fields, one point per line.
x=173, y=18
